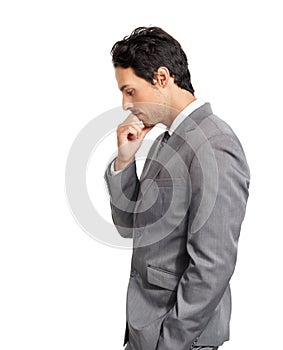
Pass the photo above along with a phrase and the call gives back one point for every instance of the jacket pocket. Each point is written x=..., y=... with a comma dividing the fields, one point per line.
x=162, y=278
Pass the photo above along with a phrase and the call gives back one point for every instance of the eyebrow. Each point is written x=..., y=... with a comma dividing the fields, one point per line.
x=123, y=87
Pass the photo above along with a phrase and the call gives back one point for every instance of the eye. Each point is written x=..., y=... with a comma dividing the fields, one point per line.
x=130, y=92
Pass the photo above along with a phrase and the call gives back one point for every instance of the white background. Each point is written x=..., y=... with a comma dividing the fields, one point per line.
x=61, y=289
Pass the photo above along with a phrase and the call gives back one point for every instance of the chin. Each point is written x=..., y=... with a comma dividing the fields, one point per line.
x=147, y=125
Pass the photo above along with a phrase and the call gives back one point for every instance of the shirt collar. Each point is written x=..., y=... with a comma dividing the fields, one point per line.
x=184, y=114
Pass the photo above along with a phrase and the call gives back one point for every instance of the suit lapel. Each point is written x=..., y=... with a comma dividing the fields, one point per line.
x=167, y=151
x=151, y=155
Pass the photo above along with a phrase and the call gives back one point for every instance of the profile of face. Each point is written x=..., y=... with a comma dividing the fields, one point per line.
x=146, y=101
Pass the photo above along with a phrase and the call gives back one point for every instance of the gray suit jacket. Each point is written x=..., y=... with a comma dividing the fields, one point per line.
x=184, y=215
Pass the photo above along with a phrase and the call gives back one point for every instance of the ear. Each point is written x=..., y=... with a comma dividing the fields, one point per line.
x=162, y=76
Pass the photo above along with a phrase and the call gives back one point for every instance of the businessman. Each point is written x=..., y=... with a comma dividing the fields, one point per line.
x=185, y=211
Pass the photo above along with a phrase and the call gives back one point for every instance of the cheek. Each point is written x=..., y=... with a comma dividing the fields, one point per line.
x=149, y=101
x=146, y=96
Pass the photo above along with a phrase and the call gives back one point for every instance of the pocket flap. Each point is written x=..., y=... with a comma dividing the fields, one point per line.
x=162, y=278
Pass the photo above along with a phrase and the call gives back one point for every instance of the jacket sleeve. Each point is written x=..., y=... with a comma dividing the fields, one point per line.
x=123, y=188
x=219, y=177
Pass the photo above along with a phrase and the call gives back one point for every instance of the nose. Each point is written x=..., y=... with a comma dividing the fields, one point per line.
x=126, y=104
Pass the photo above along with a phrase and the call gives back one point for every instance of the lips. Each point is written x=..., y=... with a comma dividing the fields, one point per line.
x=138, y=114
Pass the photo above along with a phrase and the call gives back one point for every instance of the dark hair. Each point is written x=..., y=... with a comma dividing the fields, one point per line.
x=147, y=49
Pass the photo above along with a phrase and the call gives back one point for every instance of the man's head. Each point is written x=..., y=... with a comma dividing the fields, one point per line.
x=150, y=68
x=147, y=49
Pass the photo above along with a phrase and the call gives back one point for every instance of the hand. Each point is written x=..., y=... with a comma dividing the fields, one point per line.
x=130, y=135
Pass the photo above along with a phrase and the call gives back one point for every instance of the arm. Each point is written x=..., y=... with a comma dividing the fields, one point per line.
x=123, y=188
x=212, y=239
x=121, y=177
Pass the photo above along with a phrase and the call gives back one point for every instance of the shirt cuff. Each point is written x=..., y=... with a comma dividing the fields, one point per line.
x=115, y=172
x=112, y=170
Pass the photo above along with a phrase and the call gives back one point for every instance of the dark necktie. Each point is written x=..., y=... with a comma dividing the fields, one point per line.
x=164, y=140
x=166, y=136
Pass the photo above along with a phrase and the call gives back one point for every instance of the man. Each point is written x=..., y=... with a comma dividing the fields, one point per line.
x=185, y=212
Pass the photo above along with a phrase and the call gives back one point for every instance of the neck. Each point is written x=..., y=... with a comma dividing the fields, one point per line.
x=180, y=102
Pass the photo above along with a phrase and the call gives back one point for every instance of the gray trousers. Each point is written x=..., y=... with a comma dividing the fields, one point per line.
x=205, y=348
x=194, y=348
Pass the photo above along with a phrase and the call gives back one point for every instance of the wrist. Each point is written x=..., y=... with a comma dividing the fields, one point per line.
x=120, y=164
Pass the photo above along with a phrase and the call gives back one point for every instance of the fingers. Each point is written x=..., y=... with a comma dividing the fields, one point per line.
x=135, y=123
x=130, y=130
x=130, y=135
x=132, y=119
x=136, y=131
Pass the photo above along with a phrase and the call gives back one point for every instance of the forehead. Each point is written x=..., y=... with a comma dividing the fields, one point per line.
x=127, y=76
